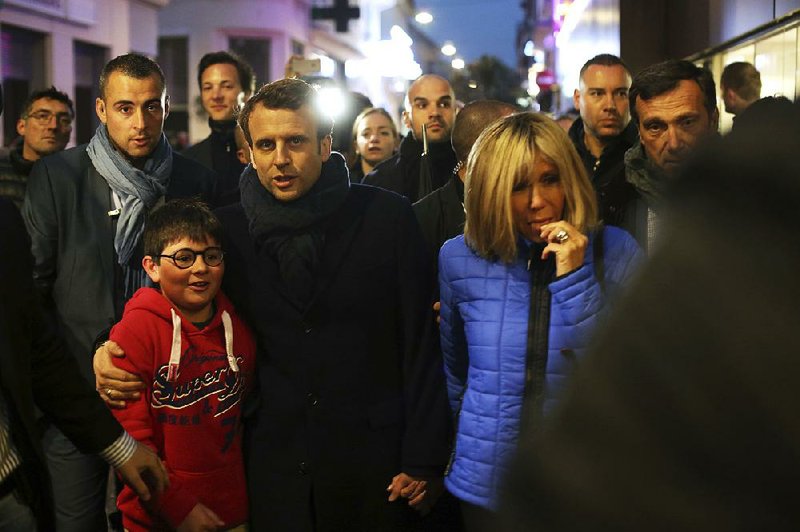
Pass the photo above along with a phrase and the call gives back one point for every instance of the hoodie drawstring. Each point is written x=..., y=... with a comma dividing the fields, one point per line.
x=175, y=350
x=228, y=326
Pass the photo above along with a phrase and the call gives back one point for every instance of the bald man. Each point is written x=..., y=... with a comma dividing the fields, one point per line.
x=441, y=213
x=430, y=101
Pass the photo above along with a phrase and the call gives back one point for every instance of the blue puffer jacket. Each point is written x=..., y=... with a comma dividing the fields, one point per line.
x=484, y=329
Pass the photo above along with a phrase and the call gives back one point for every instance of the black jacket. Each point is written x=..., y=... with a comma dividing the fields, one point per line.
x=66, y=212
x=400, y=173
x=608, y=172
x=441, y=215
x=218, y=152
x=35, y=371
x=351, y=390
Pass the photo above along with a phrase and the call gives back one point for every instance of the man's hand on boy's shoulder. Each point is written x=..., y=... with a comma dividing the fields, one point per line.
x=114, y=385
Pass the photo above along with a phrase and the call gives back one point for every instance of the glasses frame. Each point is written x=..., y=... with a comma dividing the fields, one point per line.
x=195, y=254
x=43, y=118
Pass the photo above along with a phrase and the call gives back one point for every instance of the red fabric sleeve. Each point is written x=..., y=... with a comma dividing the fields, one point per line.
x=139, y=345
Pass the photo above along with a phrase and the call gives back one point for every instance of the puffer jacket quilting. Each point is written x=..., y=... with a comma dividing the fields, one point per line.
x=484, y=323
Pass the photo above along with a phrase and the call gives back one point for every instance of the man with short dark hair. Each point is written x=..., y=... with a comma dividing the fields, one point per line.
x=430, y=102
x=85, y=210
x=740, y=87
x=674, y=105
x=441, y=213
x=44, y=128
x=225, y=81
x=604, y=131
x=333, y=279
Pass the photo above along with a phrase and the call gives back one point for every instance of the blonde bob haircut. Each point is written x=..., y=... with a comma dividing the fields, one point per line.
x=502, y=157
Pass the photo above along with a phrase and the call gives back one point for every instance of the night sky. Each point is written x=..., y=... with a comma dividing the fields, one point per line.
x=476, y=27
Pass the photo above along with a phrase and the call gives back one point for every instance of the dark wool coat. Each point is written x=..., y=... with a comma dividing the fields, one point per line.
x=400, y=173
x=352, y=388
x=35, y=371
x=66, y=213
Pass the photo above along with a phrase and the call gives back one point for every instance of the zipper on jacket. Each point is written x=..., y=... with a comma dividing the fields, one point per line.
x=541, y=274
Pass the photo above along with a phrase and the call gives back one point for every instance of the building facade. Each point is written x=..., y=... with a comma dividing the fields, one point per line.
x=375, y=56
x=66, y=43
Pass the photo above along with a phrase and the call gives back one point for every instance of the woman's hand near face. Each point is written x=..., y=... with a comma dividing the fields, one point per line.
x=567, y=243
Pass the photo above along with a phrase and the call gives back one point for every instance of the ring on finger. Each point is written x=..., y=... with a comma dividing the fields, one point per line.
x=108, y=392
x=562, y=236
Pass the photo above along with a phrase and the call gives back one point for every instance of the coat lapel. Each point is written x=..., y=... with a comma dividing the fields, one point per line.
x=101, y=203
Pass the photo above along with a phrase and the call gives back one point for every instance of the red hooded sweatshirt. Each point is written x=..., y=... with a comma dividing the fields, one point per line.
x=190, y=413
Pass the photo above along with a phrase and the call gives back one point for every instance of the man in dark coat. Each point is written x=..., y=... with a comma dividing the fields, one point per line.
x=225, y=81
x=429, y=101
x=739, y=87
x=604, y=131
x=36, y=372
x=441, y=213
x=333, y=279
x=674, y=105
x=84, y=209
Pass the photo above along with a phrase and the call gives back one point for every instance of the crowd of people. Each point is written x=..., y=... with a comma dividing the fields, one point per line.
x=302, y=325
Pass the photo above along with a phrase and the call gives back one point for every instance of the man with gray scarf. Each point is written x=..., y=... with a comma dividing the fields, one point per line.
x=85, y=210
x=674, y=104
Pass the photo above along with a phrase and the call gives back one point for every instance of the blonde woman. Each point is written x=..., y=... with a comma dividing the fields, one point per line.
x=375, y=139
x=520, y=294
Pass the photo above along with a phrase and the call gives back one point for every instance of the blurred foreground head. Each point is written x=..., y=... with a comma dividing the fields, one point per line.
x=684, y=417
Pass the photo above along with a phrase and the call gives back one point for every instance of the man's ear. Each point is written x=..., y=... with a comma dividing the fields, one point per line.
x=252, y=157
x=21, y=127
x=576, y=99
x=407, y=119
x=151, y=268
x=325, y=147
x=100, y=109
x=166, y=106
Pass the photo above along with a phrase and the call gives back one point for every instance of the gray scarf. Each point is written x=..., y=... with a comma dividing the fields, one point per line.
x=138, y=190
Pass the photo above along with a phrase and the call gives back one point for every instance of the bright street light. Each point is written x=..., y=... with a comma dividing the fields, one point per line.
x=423, y=17
x=449, y=49
x=457, y=63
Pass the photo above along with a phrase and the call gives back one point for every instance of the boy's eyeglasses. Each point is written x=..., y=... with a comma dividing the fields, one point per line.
x=184, y=258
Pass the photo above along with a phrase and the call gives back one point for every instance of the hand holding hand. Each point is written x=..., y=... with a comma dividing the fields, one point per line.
x=568, y=244
x=422, y=493
x=114, y=385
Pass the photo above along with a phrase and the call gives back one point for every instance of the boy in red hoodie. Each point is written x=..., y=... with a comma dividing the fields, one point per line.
x=197, y=359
